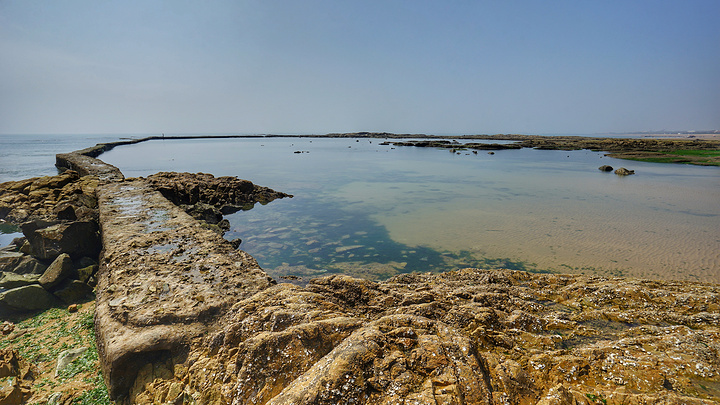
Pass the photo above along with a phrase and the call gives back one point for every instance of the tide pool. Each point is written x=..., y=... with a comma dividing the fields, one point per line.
x=376, y=210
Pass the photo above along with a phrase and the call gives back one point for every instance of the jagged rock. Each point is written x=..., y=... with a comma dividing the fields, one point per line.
x=605, y=168
x=72, y=291
x=624, y=172
x=228, y=194
x=27, y=298
x=15, y=378
x=67, y=357
x=422, y=338
x=9, y=281
x=85, y=273
x=30, y=265
x=9, y=260
x=65, y=196
x=79, y=238
x=60, y=269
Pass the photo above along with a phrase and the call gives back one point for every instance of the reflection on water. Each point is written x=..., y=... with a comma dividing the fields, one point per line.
x=373, y=210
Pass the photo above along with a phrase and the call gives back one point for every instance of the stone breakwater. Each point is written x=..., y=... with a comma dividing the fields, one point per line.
x=184, y=317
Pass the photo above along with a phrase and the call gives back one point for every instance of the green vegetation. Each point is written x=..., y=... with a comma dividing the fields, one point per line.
x=51, y=332
x=691, y=152
x=688, y=156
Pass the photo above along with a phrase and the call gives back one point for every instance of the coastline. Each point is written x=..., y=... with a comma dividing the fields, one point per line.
x=661, y=148
x=482, y=335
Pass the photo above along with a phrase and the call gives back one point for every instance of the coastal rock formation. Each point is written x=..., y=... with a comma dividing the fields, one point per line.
x=208, y=198
x=163, y=279
x=58, y=218
x=469, y=336
x=16, y=378
x=67, y=196
x=624, y=172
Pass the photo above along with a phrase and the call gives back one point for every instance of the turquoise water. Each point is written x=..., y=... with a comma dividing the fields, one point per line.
x=371, y=210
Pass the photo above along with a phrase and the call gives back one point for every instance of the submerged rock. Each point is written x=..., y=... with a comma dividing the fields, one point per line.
x=624, y=172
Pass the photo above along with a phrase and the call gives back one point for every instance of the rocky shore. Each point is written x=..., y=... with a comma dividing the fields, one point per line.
x=182, y=316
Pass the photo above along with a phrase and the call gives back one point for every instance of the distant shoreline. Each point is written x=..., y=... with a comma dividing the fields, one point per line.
x=658, y=148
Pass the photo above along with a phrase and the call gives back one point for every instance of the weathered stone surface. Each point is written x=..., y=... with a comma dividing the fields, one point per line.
x=26, y=298
x=624, y=172
x=197, y=191
x=9, y=260
x=71, y=291
x=67, y=357
x=12, y=280
x=469, y=336
x=15, y=378
x=60, y=269
x=65, y=196
x=29, y=265
x=78, y=239
x=605, y=168
x=163, y=279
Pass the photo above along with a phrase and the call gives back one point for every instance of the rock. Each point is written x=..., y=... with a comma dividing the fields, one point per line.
x=67, y=357
x=60, y=269
x=30, y=265
x=55, y=399
x=85, y=273
x=190, y=189
x=9, y=281
x=15, y=378
x=80, y=238
x=605, y=168
x=9, y=260
x=71, y=291
x=7, y=327
x=27, y=298
x=17, y=262
x=624, y=172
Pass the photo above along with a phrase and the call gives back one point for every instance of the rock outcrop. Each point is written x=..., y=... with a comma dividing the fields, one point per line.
x=207, y=198
x=58, y=217
x=469, y=336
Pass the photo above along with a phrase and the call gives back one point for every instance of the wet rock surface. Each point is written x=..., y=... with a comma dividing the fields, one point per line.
x=163, y=278
x=469, y=336
x=207, y=198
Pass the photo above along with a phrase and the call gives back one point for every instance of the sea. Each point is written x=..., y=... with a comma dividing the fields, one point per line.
x=372, y=210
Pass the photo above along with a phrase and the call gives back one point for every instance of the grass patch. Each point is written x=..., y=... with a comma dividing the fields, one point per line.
x=692, y=152
x=41, y=338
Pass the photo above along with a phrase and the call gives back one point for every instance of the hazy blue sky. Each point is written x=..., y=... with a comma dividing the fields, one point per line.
x=315, y=66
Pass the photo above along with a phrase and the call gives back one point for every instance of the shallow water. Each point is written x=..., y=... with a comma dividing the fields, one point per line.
x=371, y=210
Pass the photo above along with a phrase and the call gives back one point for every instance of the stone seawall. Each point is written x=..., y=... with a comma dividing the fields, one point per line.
x=184, y=317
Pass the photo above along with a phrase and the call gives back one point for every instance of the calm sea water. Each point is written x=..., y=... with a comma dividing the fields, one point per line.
x=372, y=210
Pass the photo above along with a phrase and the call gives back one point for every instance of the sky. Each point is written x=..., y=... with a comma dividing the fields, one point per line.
x=321, y=66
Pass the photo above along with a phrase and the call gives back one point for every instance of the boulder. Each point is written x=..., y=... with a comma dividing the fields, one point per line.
x=9, y=281
x=624, y=172
x=71, y=291
x=59, y=270
x=9, y=260
x=30, y=265
x=80, y=238
x=605, y=168
x=25, y=299
x=85, y=273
